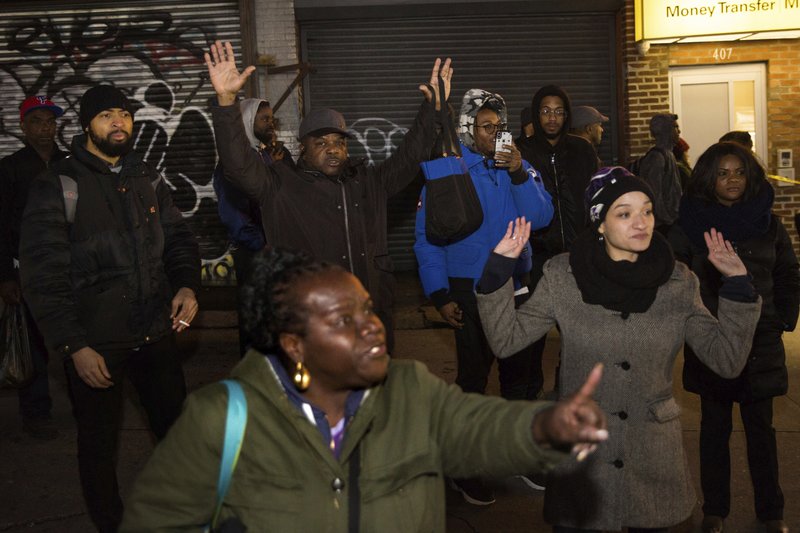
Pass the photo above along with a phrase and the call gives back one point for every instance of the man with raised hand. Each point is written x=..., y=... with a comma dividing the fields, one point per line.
x=329, y=205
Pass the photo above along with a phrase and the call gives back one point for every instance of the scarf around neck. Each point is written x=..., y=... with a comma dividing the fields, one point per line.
x=620, y=286
x=739, y=222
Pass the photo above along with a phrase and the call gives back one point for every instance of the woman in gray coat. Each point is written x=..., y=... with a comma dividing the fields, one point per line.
x=620, y=299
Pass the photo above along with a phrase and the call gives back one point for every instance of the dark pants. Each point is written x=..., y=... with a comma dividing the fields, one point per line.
x=518, y=377
x=155, y=371
x=242, y=265
x=34, y=398
x=762, y=457
x=562, y=529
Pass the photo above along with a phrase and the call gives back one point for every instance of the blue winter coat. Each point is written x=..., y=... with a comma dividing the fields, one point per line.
x=501, y=202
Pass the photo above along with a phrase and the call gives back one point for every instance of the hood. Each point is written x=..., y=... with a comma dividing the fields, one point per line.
x=474, y=100
x=536, y=103
x=249, y=108
x=662, y=126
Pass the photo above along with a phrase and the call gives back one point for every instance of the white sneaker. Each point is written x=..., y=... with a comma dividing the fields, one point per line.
x=529, y=481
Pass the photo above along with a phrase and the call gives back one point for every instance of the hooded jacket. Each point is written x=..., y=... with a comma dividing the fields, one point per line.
x=241, y=215
x=566, y=169
x=107, y=279
x=409, y=432
x=503, y=196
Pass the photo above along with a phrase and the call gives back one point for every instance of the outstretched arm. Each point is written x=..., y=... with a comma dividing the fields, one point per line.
x=242, y=166
x=403, y=166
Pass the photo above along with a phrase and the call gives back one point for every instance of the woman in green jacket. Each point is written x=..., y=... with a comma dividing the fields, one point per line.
x=339, y=437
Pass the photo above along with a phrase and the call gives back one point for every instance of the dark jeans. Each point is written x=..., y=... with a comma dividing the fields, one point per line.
x=762, y=457
x=155, y=371
x=562, y=529
x=242, y=265
x=518, y=377
x=34, y=398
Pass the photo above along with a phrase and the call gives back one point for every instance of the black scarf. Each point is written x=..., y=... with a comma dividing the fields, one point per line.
x=739, y=222
x=620, y=285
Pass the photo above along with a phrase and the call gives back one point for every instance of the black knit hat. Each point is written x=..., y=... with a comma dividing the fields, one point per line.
x=98, y=99
x=608, y=184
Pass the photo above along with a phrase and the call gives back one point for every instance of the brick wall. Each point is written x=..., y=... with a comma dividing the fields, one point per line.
x=646, y=92
x=276, y=38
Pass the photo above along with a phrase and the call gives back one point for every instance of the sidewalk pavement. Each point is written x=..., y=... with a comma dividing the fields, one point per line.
x=40, y=492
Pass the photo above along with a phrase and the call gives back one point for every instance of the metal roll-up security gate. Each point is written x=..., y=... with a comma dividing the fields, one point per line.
x=153, y=51
x=370, y=69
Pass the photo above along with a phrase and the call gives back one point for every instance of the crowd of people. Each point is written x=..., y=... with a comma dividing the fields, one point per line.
x=632, y=265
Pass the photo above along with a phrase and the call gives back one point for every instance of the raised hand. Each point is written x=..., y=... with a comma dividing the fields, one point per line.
x=516, y=237
x=446, y=72
x=722, y=255
x=576, y=421
x=224, y=74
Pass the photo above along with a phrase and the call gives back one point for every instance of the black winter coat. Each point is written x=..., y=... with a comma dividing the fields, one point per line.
x=341, y=220
x=771, y=261
x=566, y=170
x=17, y=172
x=106, y=280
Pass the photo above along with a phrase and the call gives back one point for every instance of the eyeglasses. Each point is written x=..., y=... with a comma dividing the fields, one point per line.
x=491, y=129
x=558, y=112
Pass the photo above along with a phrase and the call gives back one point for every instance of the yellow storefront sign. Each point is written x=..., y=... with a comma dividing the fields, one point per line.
x=672, y=19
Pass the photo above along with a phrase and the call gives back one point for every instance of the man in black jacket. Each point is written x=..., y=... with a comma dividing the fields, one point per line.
x=566, y=164
x=37, y=116
x=329, y=206
x=110, y=270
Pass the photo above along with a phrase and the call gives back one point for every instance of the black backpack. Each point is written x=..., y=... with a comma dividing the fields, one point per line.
x=635, y=164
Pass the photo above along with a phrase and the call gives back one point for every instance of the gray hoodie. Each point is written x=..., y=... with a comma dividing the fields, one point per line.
x=249, y=108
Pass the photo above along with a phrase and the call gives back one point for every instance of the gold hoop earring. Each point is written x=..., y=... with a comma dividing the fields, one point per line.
x=301, y=377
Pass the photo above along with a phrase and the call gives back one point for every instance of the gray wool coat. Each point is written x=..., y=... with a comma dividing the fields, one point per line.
x=639, y=476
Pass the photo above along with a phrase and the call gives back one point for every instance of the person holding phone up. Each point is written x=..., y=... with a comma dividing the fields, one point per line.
x=507, y=187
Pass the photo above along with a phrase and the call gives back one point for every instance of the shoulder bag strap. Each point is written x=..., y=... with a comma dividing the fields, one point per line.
x=235, y=425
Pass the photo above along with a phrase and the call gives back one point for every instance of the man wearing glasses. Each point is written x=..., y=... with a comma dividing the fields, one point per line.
x=566, y=164
x=508, y=187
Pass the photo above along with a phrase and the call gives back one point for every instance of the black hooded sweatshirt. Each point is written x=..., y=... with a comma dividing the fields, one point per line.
x=566, y=169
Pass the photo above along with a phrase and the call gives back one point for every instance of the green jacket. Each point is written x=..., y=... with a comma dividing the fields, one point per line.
x=412, y=431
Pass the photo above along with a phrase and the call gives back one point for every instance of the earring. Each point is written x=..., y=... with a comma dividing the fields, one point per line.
x=301, y=377
x=600, y=238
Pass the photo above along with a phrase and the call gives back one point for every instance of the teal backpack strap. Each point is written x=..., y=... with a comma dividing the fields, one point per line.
x=235, y=424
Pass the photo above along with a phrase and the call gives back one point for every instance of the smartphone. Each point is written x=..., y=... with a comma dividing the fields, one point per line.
x=501, y=139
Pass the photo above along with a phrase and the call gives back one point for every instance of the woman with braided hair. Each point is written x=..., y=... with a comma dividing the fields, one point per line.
x=339, y=437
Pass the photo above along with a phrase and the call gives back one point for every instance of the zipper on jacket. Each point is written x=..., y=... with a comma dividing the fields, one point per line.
x=347, y=227
x=558, y=201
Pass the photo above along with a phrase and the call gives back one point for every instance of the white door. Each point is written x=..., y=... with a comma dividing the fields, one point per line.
x=711, y=101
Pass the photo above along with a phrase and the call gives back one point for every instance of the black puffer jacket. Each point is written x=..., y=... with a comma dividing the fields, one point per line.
x=107, y=279
x=771, y=262
x=17, y=171
x=566, y=169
